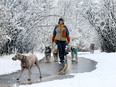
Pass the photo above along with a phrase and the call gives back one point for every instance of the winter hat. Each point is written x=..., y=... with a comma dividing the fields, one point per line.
x=60, y=19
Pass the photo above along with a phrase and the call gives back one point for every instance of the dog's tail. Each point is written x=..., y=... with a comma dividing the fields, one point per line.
x=37, y=64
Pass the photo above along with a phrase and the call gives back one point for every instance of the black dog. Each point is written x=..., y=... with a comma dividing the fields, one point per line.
x=48, y=53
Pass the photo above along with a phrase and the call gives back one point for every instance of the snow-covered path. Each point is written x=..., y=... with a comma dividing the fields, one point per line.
x=82, y=66
x=103, y=76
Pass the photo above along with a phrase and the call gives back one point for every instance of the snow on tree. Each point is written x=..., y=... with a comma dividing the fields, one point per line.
x=102, y=18
x=23, y=21
x=30, y=23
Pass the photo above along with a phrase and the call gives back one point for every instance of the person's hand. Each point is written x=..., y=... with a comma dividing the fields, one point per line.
x=53, y=39
x=56, y=41
x=68, y=39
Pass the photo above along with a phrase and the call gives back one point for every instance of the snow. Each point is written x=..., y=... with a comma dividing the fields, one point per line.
x=103, y=76
x=8, y=37
x=7, y=65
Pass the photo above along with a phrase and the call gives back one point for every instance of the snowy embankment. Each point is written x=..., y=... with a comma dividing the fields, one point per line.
x=103, y=76
x=7, y=65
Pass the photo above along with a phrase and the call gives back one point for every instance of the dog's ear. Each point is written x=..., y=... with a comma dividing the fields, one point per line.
x=23, y=58
x=49, y=47
x=20, y=56
x=46, y=47
x=17, y=56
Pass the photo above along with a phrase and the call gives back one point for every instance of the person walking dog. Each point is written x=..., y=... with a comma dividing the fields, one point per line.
x=61, y=37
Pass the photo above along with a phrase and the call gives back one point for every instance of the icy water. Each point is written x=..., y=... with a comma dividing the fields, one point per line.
x=83, y=65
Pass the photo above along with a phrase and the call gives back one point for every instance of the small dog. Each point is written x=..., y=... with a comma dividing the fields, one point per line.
x=67, y=49
x=48, y=54
x=27, y=62
x=74, y=53
x=55, y=53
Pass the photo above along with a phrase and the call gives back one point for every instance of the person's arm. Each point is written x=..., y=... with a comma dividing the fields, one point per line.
x=54, y=34
x=67, y=34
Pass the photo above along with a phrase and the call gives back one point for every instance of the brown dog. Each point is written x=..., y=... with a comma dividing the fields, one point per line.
x=27, y=62
x=55, y=54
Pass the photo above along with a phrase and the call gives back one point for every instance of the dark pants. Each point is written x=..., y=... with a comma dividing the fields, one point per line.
x=61, y=47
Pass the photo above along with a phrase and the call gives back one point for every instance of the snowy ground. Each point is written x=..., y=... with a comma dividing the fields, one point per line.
x=103, y=76
x=7, y=65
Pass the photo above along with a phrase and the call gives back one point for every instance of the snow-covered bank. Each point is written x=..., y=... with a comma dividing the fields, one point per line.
x=103, y=76
x=7, y=65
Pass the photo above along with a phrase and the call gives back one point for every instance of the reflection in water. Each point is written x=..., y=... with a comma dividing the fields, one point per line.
x=83, y=65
